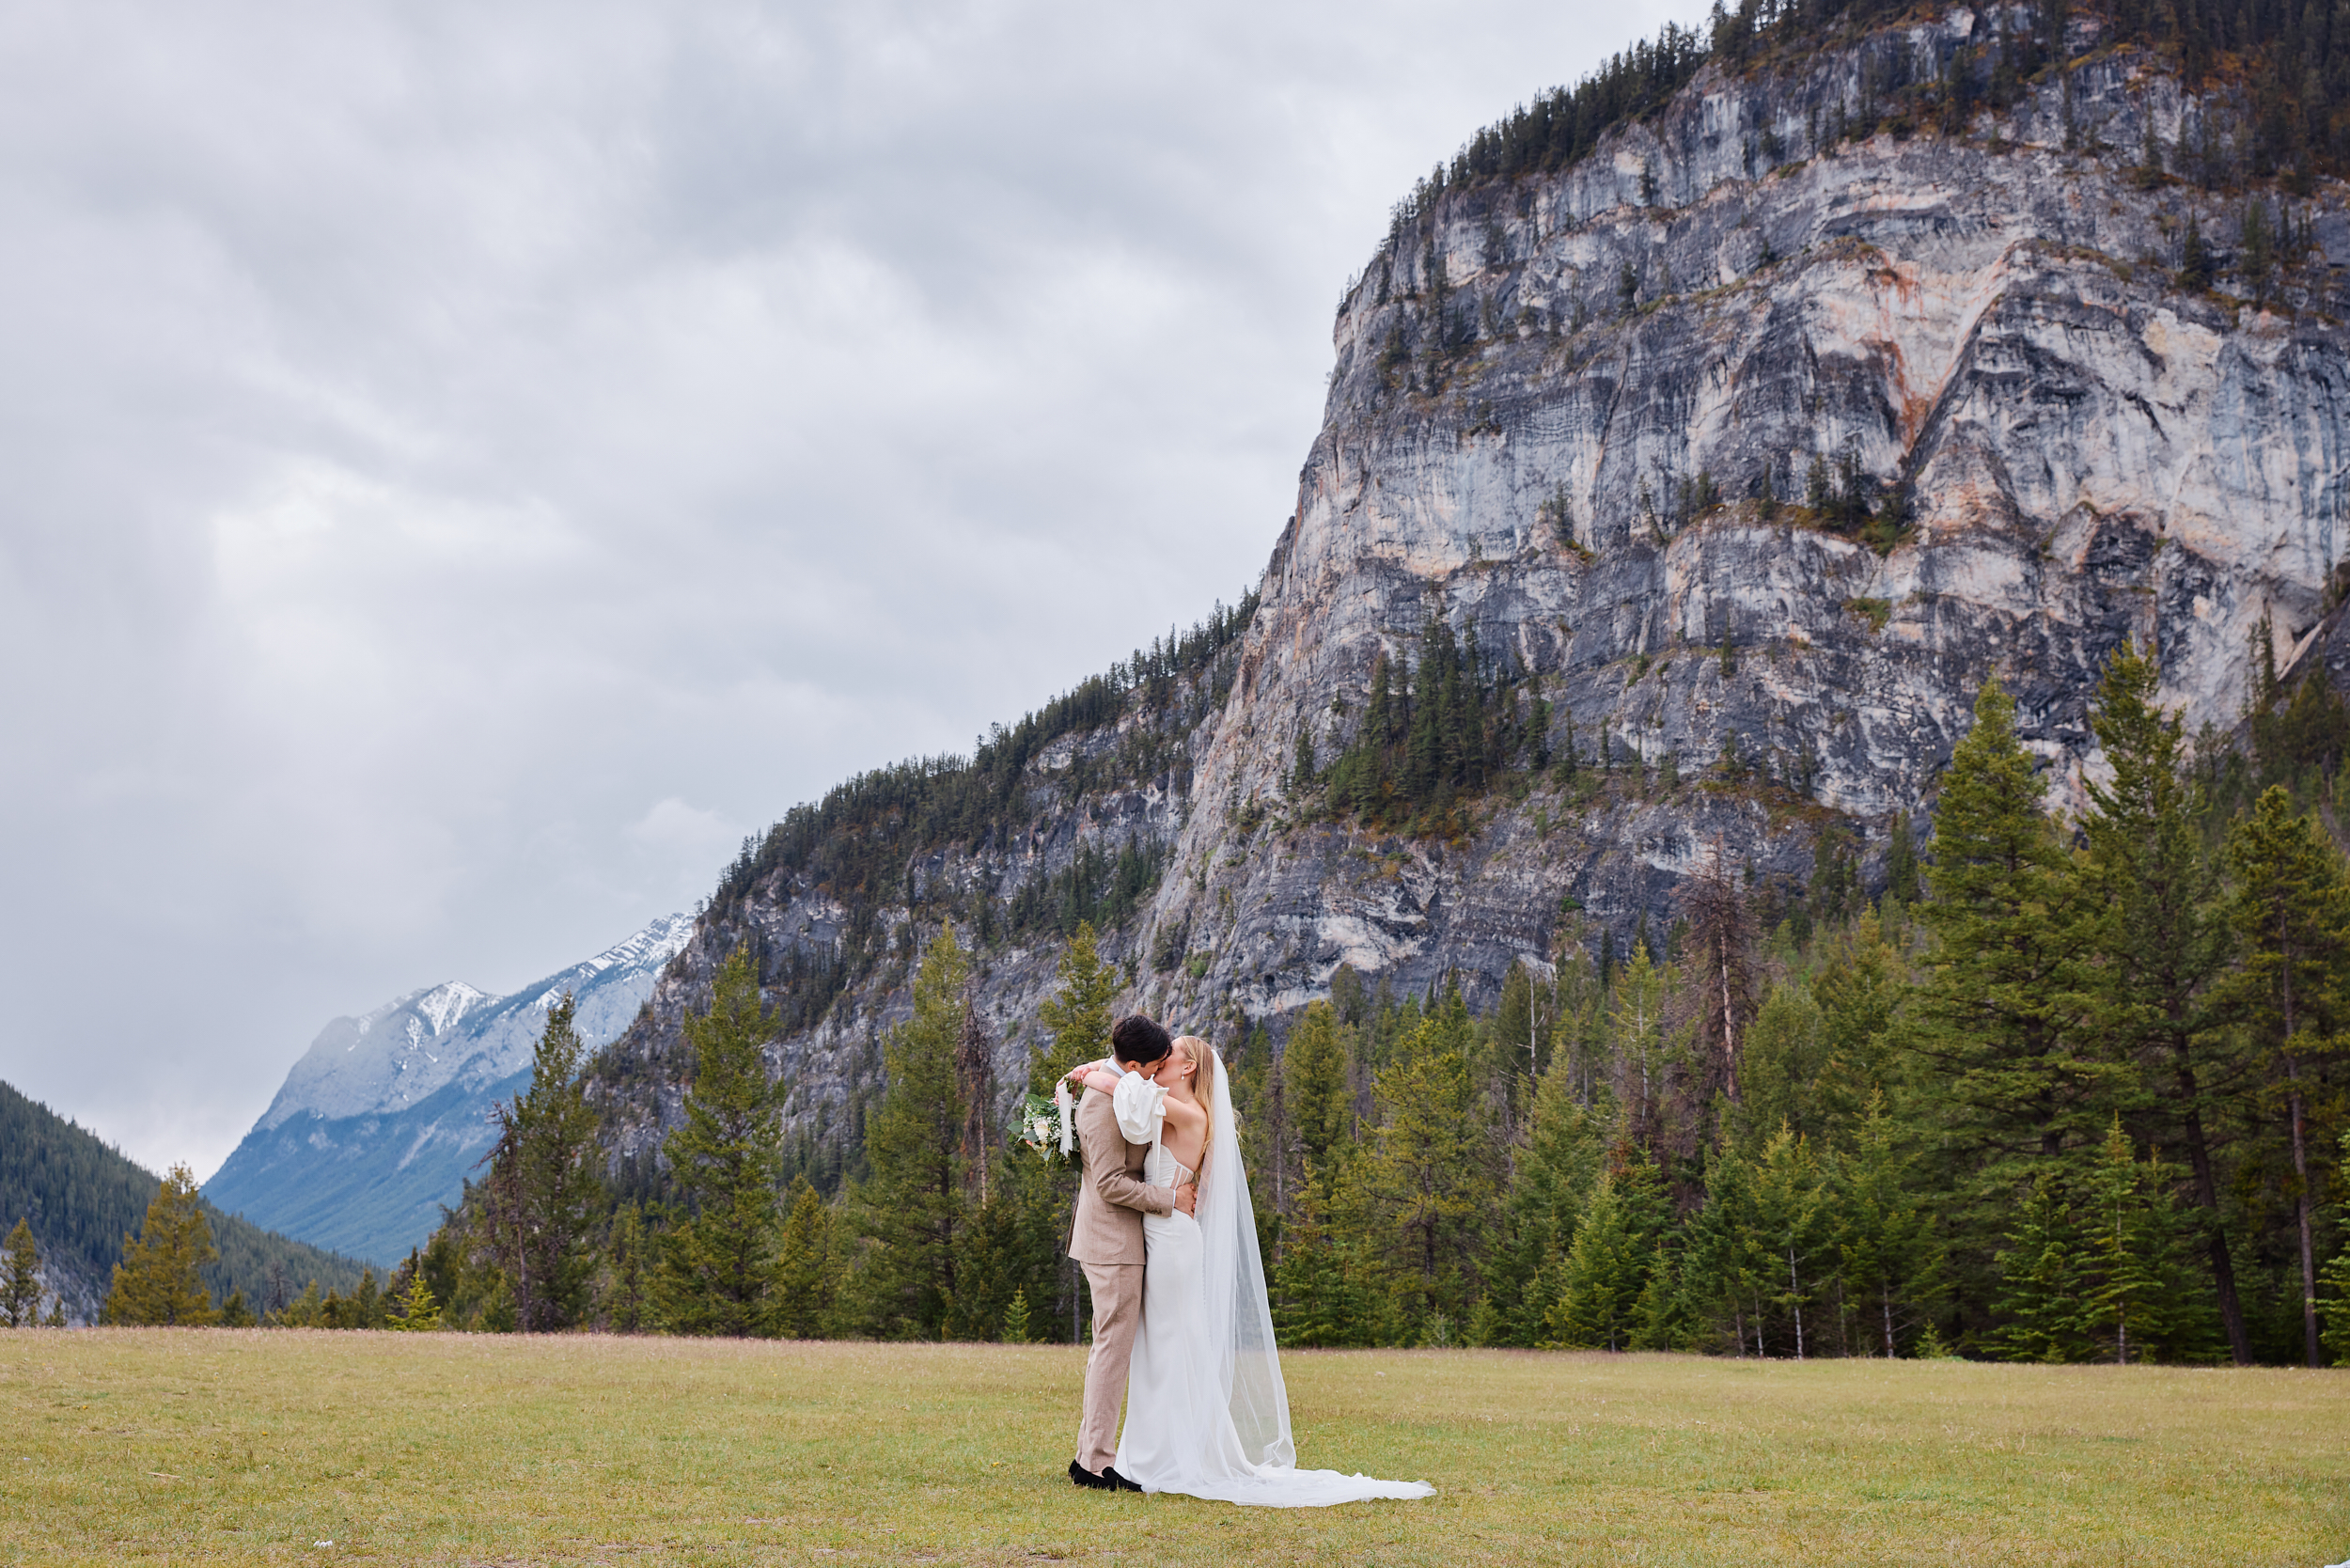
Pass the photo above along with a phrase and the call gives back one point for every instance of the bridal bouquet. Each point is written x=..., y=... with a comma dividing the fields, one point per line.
x=1046, y=1126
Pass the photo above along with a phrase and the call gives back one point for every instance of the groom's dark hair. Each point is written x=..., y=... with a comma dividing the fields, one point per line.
x=1140, y=1040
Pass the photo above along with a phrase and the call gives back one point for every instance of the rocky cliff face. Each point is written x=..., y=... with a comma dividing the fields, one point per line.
x=1582, y=416
x=1987, y=326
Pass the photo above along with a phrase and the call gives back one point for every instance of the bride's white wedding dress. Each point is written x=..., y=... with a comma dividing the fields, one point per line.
x=1206, y=1410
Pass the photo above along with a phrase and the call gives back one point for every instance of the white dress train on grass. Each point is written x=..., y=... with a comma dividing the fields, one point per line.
x=1206, y=1411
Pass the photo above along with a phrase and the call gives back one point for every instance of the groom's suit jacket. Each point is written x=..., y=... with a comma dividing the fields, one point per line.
x=1113, y=1197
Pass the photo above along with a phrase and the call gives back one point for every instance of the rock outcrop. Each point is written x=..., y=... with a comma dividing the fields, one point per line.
x=1623, y=422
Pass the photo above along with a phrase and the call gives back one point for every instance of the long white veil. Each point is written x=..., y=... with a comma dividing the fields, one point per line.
x=1240, y=1314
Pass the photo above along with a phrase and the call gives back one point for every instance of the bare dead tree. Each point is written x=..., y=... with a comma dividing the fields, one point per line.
x=1722, y=976
x=975, y=1075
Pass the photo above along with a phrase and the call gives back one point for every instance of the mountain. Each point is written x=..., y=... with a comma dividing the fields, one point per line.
x=81, y=1196
x=1674, y=499
x=379, y=1122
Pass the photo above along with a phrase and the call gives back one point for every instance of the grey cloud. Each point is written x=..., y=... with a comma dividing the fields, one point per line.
x=466, y=466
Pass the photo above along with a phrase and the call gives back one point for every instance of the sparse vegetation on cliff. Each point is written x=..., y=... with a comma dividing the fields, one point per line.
x=2280, y=75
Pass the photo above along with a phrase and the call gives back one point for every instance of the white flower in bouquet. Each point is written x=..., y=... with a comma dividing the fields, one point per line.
x=1045, y=1127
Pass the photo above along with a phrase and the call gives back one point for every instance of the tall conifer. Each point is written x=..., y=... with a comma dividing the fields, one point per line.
x=1892, y=1258
x=158, y=1284
x=2042, y=1272
x=545, y=1188
x=915, y=1206
x=1426, y=1189
x=2336, y=1277
x=1999, y=1013
x=1317, y=1095
x=1611, y=1263
x=2291, y=914
x=803, y=1266
x=2154, y=931
x=20, y=1287
x=1558, y=1168
x=2131, y=1246
x=1792, y=1220
x=1077, y=1015
x=717, y=1264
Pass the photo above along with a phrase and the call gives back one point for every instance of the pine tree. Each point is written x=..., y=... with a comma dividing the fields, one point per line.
x=1077, y=1015
x=2132, y=1247
x=803, y=1266
x=1425, y=1192
x=366, y=1302
x=157, y=1283
x=1901, y=861
x=717, y=1264
x=2290, y=915
x=1317, y=1092
x=1326, y=1294
x=1607, y=1269
x=419, y=1314
x=1786, y=1059
x=1999, y=1013
x=1859, y=983
x=1637, y=1024
x=1522, y=1025
x=2194, y=264
x=1790, y=1210
x=2042, y=1272
x=1556, y=1170
x=915, y=1206
x=1727, y=1269
x=1721, y=981
x=1016, y=1319
x=1891, y=1261
x=544, y=1189
x=234, y=1314
x=1077, y=1018
x=2157, y=937
x=626, y=1286
x=21, y=1289
x=2337, y=1280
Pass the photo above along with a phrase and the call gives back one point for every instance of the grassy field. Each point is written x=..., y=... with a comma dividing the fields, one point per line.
x=209, y=1446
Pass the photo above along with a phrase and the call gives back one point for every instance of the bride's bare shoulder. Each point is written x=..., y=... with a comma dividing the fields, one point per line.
x=1186, y=1113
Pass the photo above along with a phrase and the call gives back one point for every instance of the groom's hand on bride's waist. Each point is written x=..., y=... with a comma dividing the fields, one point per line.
x=1187, y=1197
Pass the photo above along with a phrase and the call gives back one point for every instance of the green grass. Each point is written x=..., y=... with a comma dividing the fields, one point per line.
x=151, y=1445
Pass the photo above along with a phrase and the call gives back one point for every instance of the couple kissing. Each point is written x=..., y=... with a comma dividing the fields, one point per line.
x=1182, y=1328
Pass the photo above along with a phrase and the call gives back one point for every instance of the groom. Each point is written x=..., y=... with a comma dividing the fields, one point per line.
x=1107, y=1240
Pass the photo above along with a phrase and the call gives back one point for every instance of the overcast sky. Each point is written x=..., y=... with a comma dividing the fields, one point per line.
x=464, y=467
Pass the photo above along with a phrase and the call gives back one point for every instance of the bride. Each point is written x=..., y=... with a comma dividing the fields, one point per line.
x=1206, y=1411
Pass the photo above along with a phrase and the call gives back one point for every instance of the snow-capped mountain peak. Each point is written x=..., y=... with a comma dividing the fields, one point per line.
x=412, y=1045
x=377, y=1124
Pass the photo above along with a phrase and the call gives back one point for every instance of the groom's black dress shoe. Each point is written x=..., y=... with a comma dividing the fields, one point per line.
x=1080, y=1476
x=1115, y=1483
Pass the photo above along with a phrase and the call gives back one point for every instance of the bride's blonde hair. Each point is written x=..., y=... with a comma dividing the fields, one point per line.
x=1202, y=1058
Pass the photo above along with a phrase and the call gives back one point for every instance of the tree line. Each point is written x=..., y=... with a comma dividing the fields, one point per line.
x=77, y=1196
x=2079, y=1091
x=2080, y=1094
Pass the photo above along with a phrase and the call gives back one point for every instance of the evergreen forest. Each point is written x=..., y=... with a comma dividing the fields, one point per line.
x=2058, y=1091
x=78, y=1197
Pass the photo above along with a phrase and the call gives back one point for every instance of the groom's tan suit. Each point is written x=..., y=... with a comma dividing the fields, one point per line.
x=1107, y=1240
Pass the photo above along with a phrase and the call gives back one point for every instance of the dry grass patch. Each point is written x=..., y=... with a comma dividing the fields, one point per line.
x=208, y=1445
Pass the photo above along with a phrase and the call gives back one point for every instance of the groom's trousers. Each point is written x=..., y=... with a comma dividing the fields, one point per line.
x=1117, y=1313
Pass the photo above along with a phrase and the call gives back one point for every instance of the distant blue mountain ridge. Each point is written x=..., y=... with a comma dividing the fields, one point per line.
x=379, y=1123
